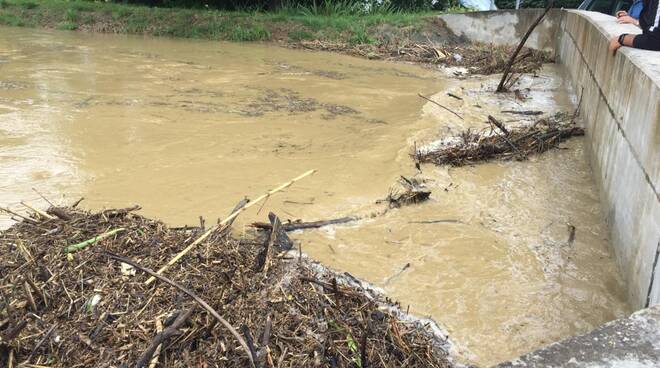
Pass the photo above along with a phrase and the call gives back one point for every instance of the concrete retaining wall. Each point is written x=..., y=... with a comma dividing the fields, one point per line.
x=505, y=27
x=621, y=111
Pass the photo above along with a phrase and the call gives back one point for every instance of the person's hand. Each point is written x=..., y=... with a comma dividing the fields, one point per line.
x=627, y=19
x=614, y=45
x=621, y=13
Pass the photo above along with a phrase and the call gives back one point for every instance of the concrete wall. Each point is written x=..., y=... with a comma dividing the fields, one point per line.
x=621, y=111
x=505, y=27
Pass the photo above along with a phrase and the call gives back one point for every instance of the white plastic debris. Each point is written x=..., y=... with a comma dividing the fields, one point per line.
x=127, y=270
x=481, y=5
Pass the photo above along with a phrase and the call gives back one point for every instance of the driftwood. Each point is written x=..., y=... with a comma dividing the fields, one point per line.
x=162, y=337
x=299, y=225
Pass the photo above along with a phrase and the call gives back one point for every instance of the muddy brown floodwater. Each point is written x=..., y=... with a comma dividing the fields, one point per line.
x=187, y=128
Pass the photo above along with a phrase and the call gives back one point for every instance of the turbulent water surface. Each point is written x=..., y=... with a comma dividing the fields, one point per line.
x=188, y=128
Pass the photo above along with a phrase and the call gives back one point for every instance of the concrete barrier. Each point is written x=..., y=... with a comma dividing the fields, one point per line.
x=505, y=27
x=621, y=112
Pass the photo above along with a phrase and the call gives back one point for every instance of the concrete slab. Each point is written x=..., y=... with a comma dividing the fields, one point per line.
x=632, y=342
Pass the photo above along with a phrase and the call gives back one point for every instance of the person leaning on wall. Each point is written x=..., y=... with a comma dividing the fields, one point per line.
x=632, y=15
x=649, y=22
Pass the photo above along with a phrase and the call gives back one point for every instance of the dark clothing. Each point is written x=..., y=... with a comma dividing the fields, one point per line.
x=649, y=21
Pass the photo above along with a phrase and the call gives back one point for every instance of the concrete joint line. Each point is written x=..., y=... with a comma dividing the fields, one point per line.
x=655, y=264
x=616, y=120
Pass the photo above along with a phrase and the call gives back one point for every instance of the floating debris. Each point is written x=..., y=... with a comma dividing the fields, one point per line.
x=502, y=143
x=478, y=58
x=405, y=192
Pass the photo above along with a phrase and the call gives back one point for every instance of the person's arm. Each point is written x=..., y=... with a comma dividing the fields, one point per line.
x=622, y=40
x=627, y=19
x=648, y=40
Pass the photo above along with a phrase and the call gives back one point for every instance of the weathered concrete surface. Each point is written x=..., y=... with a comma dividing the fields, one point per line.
x=505, y=27
x=628, y=342
x=621, y=112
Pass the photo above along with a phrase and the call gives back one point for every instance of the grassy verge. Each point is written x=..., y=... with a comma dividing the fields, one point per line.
x=286, y=25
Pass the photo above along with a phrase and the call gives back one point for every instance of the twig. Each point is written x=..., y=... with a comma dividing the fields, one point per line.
x=226, y=221
x=250, y=341
x=498, y=124
x=6, y=209
x=446, y=108
x=43, y=197
x=38, y=211
x=154, y=359
x=524, y=112
x=41, y=342
x=509, y=64
x=454, y=96
x=82, y=245
x=271, y=242
x=199, y=300
x=59, y=212
x=291, y=226
x=29, y=296
x=163, y=336
x=76, y=203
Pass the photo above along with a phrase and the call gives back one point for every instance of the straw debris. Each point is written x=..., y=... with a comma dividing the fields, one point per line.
x=92, y=308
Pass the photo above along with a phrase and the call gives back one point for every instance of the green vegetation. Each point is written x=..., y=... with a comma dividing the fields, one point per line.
x=335, y=21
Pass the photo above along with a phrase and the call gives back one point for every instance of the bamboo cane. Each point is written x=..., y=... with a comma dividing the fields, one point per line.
x=82, y=245
x=38, y=211
x=227, y=220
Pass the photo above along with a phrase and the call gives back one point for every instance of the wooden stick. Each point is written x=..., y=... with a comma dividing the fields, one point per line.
x=509, y=64
x=43, y=197
x=153, y=350
x=6, y=209
x=226, y=221
x=41, y=342
x=154, y=361
x=446, y=108
x=38, y=211
x=291, y=226
x=199, y=300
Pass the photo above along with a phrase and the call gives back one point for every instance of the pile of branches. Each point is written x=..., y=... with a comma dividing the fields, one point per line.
x=501, y=143
x=477, y=58
x=73, y=294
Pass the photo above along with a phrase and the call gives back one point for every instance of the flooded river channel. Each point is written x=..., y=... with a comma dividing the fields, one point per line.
x=188, y=128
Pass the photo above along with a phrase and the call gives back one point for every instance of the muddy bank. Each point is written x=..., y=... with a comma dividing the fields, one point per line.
x=410, y=37
x=74, y=293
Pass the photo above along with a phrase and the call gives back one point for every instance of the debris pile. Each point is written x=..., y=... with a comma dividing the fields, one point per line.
x=500, y=142
x=73, y=293
x=477, y=58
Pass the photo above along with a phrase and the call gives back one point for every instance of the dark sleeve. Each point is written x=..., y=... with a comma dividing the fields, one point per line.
x=648, y=40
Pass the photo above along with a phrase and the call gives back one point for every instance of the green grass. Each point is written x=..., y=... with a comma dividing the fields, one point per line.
x=331, y=21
